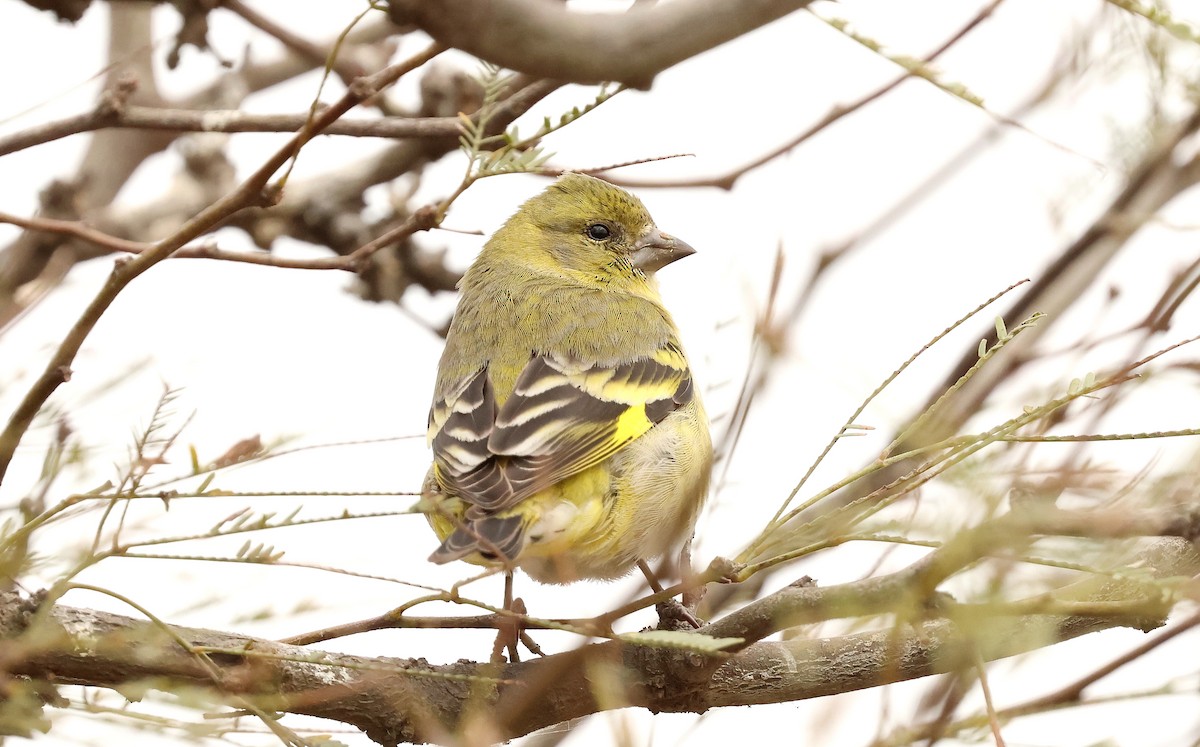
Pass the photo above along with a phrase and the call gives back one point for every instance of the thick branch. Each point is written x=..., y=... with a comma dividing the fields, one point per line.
x=404, y=700
x=545, y=39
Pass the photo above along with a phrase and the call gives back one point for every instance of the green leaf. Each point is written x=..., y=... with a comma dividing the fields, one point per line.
x=207, y=481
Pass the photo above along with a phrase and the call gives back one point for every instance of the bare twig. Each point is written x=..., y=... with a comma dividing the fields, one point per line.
x=1158, y=179
x=419, y=221
x=187, y=120
x=837, y=113
x=250, y=192
x=113, y=155
x=315, y=53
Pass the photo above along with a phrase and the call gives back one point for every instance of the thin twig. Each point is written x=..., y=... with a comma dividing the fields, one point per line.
x=837, y=113
x=190, y=120
x=253, y=191
x=311, y=51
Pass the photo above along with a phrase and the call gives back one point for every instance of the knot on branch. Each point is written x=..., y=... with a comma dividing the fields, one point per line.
x=672, y=680
x=269, y=195
x=114, y=98
x=426, y=217
x=725, y=570
x=363, y=88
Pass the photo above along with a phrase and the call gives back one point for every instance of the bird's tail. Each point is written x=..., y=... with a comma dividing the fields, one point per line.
x=495, y=538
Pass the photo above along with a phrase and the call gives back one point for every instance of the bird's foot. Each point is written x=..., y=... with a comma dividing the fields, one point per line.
x=673, y=615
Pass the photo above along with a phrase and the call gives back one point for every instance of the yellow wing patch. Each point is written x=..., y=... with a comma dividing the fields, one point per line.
x=632, y=423
x=563, y=417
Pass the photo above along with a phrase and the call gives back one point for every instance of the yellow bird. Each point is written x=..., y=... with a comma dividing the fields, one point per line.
x=568, y=437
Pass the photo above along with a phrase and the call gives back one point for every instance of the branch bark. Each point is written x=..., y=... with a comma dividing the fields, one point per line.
x=191, y=120
x=545, y=39
x=409, y=700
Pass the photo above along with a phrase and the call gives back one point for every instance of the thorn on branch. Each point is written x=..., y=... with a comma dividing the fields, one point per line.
x=270, y=195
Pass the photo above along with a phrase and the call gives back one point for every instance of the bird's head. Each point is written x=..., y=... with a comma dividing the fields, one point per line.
x=593, y=231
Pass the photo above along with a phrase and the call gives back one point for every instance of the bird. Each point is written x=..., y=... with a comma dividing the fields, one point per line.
x=568, y=436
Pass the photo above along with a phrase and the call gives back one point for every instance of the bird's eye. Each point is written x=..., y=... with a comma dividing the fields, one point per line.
x=598, y=232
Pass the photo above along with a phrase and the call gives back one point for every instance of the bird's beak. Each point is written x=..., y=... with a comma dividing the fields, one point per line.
x=655, y=250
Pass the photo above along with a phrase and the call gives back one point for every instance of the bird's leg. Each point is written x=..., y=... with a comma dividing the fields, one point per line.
x=508, y=632
x=651, y=579
x=518, y=607
x=694, y=593
x=668, y=609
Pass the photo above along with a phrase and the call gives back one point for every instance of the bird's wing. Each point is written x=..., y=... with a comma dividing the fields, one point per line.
x=562, y=418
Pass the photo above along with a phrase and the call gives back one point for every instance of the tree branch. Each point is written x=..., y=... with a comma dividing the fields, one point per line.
x=547, y=40
x=405, y=700
x=117, y=154
x=251, y=191
x=912, y=590
x=189, y=120
x=727, y=180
